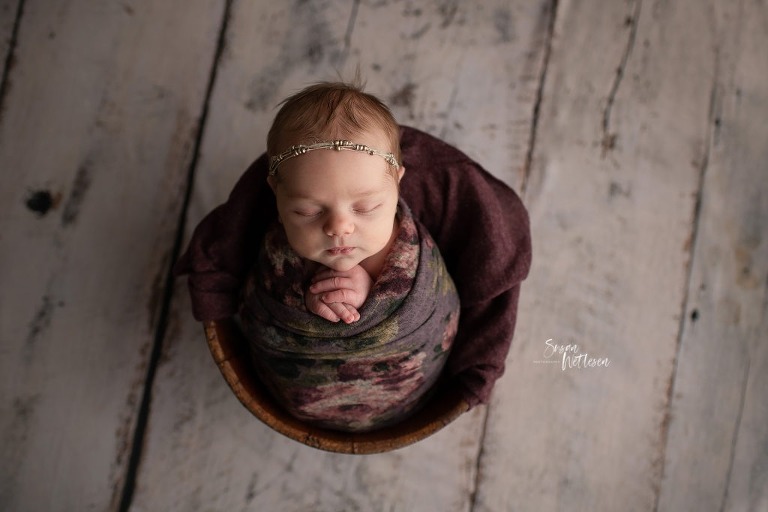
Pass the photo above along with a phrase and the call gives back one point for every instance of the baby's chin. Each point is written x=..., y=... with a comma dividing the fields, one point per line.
x=339, y=265
x=343, y=266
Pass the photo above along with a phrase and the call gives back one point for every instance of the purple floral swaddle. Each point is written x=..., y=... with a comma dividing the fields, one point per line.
x=361, y=376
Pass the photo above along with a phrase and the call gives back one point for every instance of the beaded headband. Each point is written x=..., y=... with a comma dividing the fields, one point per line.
x=338, y=145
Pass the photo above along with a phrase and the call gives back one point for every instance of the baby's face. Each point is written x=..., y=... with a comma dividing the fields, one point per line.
x=338, y=207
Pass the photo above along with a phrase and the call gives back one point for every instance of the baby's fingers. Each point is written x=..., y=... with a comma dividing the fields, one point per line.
x=319, y=308
x=346, y=296
x=331, y=283
x=345, y=312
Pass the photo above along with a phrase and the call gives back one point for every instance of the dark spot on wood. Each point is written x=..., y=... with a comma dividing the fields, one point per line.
x=502, y=22
x=615, y=189
x=262, y=92
x=39, y=323
x=376, y=67
x=39, y=201
x=79, y=189
x=718, y=122
x=694, y=315
x=250, y=492
x=745, y=278
x=128, y=9
x=23, y=411
x=183, y=417
x=315, y=53
x=609, y=142
x=421, y=31
x=51, y=35
x=448, y=10
x=411, y=11
x=16, y=430
x=24, y=408
x=628, y=21
x=404, y=97
x=744, y=258
x=41, y=319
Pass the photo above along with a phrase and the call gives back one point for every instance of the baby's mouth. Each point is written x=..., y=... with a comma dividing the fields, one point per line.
x=340, y=250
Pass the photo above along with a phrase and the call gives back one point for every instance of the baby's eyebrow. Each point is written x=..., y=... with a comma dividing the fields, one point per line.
x=355, y=193
x=366, y=193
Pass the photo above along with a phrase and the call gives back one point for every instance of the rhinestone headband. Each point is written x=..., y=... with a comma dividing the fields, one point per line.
x=338, y=145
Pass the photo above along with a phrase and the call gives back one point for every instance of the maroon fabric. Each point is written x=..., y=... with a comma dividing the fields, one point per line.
x=479, y=224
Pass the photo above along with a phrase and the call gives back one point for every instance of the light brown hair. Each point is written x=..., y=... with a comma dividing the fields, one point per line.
x=331, y=110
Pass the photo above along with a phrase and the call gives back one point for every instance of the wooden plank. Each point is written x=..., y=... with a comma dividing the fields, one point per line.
x=203, y=449
x=719, y=415
x=95, y=143
x=623, y=132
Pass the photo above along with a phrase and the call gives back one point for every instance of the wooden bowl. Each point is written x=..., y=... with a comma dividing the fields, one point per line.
x=228, y=347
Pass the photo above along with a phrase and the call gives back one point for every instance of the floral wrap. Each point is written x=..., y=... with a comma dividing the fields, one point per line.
x=361, y=376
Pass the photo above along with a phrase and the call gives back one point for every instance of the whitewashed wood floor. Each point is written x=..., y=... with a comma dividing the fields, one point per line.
x=636, y=132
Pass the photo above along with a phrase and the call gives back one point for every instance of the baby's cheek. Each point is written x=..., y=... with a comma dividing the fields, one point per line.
x=300, y=242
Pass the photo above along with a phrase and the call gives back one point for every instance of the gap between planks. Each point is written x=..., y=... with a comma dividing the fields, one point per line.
x=552, y=12
x=162, y=324
x=10, y=55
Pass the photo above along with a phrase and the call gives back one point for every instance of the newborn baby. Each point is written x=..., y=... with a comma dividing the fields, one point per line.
x=349, y=310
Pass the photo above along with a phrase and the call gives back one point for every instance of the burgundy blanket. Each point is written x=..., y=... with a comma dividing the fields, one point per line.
x=478, y=222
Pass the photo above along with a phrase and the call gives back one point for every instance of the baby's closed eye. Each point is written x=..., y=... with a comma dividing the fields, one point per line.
x=308, y=213
x=367, y=208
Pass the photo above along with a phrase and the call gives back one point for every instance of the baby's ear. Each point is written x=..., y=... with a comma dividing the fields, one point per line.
x=272, y=182
x=400, y=173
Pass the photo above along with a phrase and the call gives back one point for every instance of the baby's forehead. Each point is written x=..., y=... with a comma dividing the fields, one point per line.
x=318, y=182
x=368, y=181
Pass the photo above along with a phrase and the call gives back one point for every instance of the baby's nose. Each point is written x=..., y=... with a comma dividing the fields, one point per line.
x=339, y=225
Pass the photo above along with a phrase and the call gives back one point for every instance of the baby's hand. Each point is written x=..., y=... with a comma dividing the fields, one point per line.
x=336, y=295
